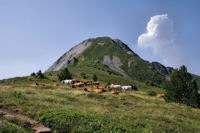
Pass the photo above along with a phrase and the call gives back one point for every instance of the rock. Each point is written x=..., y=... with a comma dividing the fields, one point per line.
x=162, y=69
x=124, y=47
x=69, y=56
x=114, y=64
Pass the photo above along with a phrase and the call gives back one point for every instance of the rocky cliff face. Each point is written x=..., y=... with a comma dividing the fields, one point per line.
x=70, y=56
x=162, y=69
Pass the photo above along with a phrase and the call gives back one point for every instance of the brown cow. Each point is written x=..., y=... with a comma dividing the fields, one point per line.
x=78, y=85
x=53, y=80
x=95, y=83
x=114, y=92
x=55, y=85
x=39, y=84
x=90, y=90
x=160, y=95
x=88, y=82
x=98, y=91
x=102, y=88
x=76, y=81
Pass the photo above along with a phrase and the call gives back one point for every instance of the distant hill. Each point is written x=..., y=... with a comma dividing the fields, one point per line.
x=113, y=55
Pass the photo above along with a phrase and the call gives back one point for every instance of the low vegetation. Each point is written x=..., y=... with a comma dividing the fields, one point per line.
x=66, y=109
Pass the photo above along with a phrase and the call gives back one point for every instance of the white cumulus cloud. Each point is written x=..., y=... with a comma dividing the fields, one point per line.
x=160, y=37
x=159, y=32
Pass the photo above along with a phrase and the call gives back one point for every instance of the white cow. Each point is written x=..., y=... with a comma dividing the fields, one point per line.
x=67, y=81
x=128, y=87
x=115, y=86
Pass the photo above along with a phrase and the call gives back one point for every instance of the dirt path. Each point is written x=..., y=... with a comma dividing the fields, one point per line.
x=35, y=125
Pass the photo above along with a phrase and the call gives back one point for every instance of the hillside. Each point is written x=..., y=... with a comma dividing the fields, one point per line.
x=65, y=109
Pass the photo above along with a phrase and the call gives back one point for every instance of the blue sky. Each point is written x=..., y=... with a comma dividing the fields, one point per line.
x=35, y=33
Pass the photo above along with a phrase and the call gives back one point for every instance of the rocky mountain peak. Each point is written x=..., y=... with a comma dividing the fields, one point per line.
x=124, y=47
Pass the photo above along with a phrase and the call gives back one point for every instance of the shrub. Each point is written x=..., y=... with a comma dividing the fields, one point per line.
x=64, y=74
x=64, y=121
x=149, y=82
x=40, y=74
x=182, y=88
x=33, y=74
x=151, y=93
x=94, y=77
x=83, y=75
x=134, y=87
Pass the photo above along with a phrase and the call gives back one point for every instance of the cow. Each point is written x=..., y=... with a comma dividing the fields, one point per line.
x=39, y=84
x=98, y=90
x=95, y=83
x=55, y=85
x=115, y=86
x=114, y=92
x=53, y=80
x=88, y=82
x=102, y=88
x=78, y=85
x=67, y=81
x=160, y=95
x=76, y=81
x=128, y=87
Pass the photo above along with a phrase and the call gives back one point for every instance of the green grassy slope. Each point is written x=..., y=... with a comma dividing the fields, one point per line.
x=66, y=109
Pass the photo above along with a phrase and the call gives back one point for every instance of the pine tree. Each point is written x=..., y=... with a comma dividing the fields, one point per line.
x=94, y=77
x=182, y=88
x=64, y=74
x=40, y=74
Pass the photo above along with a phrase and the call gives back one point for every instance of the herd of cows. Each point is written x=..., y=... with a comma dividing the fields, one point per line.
x=115, y=89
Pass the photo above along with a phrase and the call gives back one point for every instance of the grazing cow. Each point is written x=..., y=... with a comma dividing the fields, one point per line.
x=90, y=90
x=88, y=82
x=160, y=95
x=102, y=88
x=78, y=85
x=67, y=81
x=128, y=87
x=115, y=86
x=76, y=81
x=114, y=92
x=95, y=83
x=39, y=84
x=98, y=90
x=55, y=85
x=53, y=80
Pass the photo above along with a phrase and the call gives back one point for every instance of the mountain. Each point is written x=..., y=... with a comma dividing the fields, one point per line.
x=113, y=55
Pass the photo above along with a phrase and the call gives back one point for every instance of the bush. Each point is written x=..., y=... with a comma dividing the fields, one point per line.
x=83, y=75
x=94, y=77
x=40, y=74
x=33, y=74
x=64, y=74
x=182, y=88
x=134, y=87
x=149, y=82
x=151, y=93
x=64, y=121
